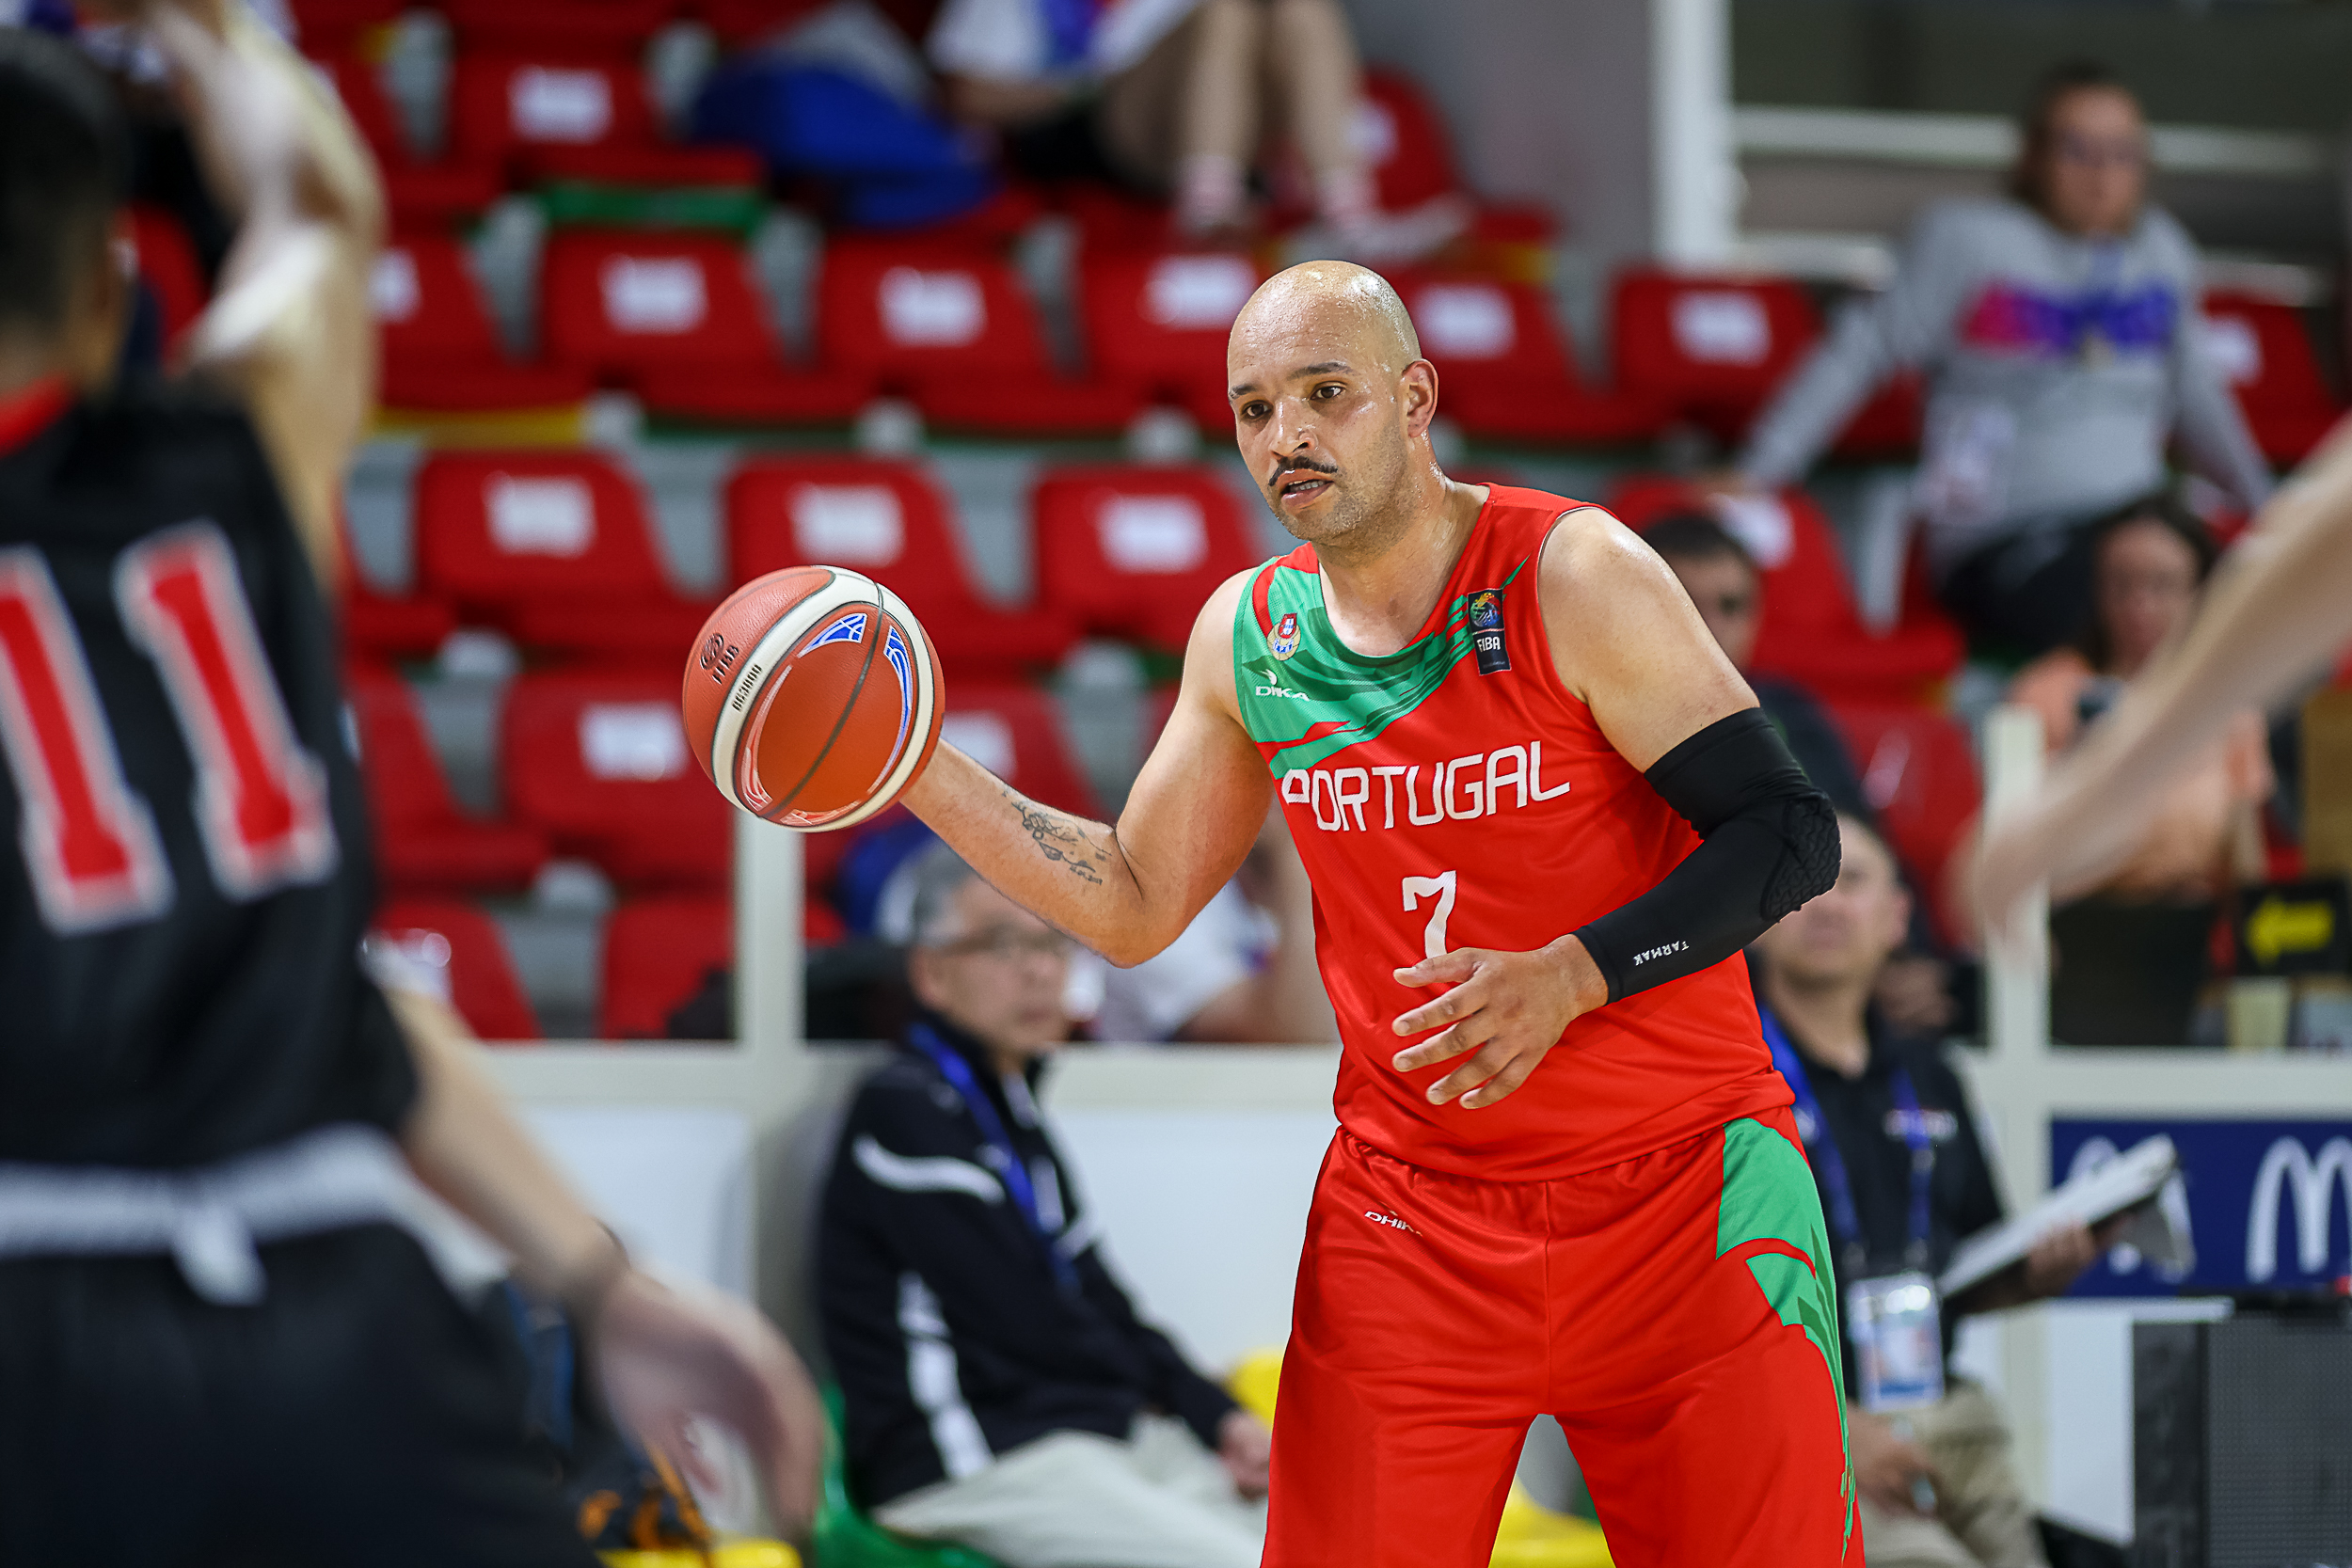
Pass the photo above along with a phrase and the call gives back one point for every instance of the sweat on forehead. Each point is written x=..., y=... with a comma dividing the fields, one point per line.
x=1336, y=310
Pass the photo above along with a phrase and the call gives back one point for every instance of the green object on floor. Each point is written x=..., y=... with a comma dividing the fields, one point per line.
x=846, y=1538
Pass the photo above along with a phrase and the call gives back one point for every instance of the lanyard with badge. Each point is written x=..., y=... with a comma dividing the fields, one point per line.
x=1894, y=1320
x=1015, y=1174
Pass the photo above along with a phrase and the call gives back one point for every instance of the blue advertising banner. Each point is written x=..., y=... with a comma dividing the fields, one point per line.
x=2268, y=1204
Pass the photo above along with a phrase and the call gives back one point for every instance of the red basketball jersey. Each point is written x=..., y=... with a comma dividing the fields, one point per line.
x=1454, y=794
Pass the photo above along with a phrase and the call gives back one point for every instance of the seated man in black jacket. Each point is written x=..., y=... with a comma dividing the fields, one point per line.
x=1000, y=1390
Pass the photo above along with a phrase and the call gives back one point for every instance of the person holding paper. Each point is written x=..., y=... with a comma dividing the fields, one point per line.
x=1903, y=1179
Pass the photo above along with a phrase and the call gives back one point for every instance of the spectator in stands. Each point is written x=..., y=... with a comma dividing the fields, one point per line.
x=1243, y=971
x=1721, y=580
x=2058, y=330
x=999, y=1389
x=1176, y=96
x=2150, y=561
x=1884, y=1108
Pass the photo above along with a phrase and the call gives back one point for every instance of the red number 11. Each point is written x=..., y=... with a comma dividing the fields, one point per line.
x=90, y=843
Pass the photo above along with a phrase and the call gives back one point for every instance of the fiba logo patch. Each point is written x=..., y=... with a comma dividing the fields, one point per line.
x=1486, y=620
x=1284, y=642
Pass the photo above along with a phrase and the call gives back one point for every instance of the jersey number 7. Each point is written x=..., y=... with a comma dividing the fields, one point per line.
x=89, y=842
x=1439, y=887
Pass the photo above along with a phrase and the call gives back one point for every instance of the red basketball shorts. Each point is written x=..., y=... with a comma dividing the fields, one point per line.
x=1676, y=1312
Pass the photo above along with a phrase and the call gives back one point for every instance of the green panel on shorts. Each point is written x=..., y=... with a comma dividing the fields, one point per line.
x=1768, y=1195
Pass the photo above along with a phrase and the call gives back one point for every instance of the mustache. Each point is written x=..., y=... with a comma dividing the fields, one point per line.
x=1300, y=464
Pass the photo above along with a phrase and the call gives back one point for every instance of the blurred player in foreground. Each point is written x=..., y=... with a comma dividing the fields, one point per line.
x=2280, y=607
x=1522, y=776
x=216, y=1341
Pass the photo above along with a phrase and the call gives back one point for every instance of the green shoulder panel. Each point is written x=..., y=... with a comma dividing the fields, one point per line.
x=1304, y=696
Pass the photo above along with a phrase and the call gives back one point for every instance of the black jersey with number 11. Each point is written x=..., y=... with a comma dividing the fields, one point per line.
x=185, y=878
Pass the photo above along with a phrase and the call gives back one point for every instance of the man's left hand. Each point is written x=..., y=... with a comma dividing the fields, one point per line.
x=1248, y=1449
x=1509, y=1009
x=2059, y=1259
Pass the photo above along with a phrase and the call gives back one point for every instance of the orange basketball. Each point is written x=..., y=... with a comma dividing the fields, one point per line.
x=812, y=697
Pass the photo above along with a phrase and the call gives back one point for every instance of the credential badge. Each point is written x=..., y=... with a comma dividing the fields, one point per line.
x=1284, y=642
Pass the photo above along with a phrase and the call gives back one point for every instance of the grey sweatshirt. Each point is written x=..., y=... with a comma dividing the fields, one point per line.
x=2057, y=367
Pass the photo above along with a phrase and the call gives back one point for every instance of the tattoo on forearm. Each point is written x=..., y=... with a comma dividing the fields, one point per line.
x=1058, y=841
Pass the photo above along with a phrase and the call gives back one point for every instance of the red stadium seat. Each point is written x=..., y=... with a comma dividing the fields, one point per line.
x=336, y=25
x=599, y=759
x=740, y=22
x=1158, y=320
x=1811, y=632
x=555, y=548
x=448, y=936
x=421, y=839
x=1503, y=369
x=1133, y=552
x=659, y=954
x=2265, y=351
x=168, y=262
x=954, y=330
x=439, y=349
x=1919, y=775
x=1015, y=732
x=1401, y=134
x=424, y=196
x=558, y=28
x=887, y=518
x=1713, y=346
x=623, y=304
x=558, y=114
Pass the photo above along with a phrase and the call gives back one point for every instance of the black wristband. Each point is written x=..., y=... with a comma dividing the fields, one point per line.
x=1770, y=843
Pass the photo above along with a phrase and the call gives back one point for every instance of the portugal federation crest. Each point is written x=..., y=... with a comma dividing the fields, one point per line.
x=1284, y=642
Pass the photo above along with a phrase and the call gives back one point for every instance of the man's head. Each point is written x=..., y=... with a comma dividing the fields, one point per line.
x=2150, y=561
x=1331, y=406
x=984, y=964
x=1843, y=937
x=63, y=166
x=1719, y=575
x=2083, y=155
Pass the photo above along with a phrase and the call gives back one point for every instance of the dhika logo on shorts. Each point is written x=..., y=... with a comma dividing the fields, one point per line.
x=1284, y=642
x=1342, y=798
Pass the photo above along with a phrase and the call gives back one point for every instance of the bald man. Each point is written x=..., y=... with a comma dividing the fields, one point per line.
x=1542, y=815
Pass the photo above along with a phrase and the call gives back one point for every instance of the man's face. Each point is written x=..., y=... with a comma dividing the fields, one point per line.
x=1844, y=936
x=1725, y=592
x=2147, y=587
x=997, y=973
x=2095, y=169
x=1323, y=422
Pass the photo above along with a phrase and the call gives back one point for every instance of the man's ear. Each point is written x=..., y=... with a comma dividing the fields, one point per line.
x=922, y=977
x=1419, y=391
x=1898, y=917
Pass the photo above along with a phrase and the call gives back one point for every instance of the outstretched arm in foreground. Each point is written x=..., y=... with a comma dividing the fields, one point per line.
x=2281, y=608
x=665, y=1355
x=1627, y=642
x=1128, y=890
x=291, y=328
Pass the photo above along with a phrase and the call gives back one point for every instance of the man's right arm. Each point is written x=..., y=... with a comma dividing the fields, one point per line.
x=1125, y=890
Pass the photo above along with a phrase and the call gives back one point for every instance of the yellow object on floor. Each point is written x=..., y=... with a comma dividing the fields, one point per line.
x=732, y=1554
x=1253, y=1381
x=1530, y=1535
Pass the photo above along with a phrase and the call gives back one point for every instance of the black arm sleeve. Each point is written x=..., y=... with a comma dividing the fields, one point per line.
x=1771, y=844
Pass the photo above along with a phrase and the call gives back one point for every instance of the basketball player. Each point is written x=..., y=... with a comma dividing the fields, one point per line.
x=2281, y=608
x=216, y=1341
x=1542, y=815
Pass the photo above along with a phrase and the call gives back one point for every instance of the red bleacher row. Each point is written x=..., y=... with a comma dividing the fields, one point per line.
x=556, y=550
x=677, y=319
